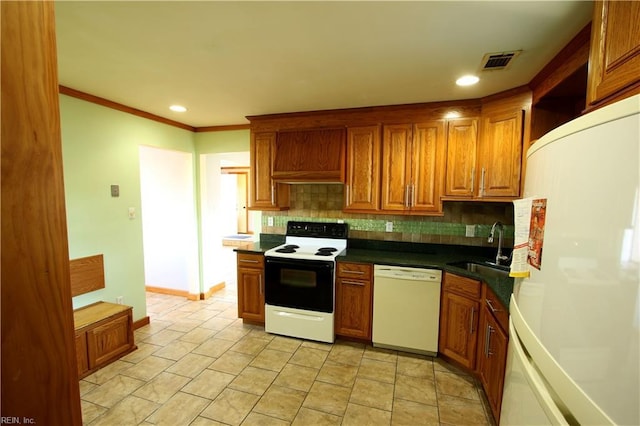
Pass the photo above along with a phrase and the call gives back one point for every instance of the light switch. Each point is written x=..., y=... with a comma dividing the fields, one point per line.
x=115, y=190
x=132, y=212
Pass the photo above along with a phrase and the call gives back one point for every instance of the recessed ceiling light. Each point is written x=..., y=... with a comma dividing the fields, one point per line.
x=467, y=80
x=177, y=108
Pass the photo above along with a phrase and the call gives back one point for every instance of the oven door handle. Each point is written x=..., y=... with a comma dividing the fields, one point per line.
x=316, y=264
x=309, y=317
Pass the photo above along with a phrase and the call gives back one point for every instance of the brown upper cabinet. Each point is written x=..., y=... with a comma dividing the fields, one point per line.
x=500, y=149
x=412, y=164
x=462, y=141
x=362, y=189
x=614, y=61
x=266, y=194
x=309, y=156
x=486, y=162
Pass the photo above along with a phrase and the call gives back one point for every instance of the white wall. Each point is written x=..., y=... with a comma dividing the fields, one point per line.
x=169, y=222
x=218, y=216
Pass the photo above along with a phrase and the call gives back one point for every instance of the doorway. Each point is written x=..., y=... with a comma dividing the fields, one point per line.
x=239, y=180
x=169, y=225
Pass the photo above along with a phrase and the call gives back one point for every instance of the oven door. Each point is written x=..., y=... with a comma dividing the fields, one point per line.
x=301, y=284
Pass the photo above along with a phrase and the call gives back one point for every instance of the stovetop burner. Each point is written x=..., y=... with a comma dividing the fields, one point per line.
x=289, y=248
x=326, y=251
x=312, y=240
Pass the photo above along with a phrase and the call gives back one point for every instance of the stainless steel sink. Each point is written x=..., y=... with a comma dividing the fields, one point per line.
x=486, y=269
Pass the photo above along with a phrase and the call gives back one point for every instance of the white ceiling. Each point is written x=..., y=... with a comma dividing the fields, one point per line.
x=227, y=60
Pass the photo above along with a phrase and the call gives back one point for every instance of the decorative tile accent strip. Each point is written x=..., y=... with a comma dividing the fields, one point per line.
x=323, y=203
x=399, y=226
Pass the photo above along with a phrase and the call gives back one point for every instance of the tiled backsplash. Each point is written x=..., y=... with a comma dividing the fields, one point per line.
x=323, y=203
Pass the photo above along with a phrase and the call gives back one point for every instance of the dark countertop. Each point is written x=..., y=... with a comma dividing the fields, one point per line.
x=255, y=247
x=502, y=287
x=419, y=255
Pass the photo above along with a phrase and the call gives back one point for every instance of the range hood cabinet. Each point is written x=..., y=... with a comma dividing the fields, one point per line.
x=310, y=156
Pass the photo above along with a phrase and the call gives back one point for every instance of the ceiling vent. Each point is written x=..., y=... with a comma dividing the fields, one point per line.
x=498, y=61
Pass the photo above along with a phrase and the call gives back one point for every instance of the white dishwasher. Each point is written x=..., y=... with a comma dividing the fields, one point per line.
x=406, y=308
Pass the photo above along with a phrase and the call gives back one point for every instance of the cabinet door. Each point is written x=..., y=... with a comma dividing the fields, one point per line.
x=396, y=167
x=251, y=294
x=492, y=356
x=353, y=308
x=262, y=189
x=82, y=356
x=108, y=340
x=310, y=155
x=614, y=62
x=461, y=157
x=363, y=169
x=265, y=193
x=459, y=329
x=500, y=154
x=427, y=163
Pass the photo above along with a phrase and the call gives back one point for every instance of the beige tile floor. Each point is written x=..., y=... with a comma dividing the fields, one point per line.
x=198, y=364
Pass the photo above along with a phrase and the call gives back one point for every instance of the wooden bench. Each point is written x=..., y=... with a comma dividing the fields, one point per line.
x=104, y=331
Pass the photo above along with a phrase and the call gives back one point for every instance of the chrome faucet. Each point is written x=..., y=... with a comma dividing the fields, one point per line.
x=500, y=227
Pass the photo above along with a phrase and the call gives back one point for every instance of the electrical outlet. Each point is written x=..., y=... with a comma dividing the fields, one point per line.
x=270, y=221
x=120, y=300
x=389, y=227
x=132, y=212
x=470, y=231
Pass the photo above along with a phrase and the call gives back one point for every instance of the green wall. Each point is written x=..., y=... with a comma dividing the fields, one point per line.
x=100, y=148
x=219, y=142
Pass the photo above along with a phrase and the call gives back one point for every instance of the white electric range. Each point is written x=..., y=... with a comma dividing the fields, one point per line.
x=300, y=280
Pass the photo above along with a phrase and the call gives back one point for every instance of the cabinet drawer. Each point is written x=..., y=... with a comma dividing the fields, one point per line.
x=462, y=285
x=495, y=307
x=249, y=260
x=361, y=271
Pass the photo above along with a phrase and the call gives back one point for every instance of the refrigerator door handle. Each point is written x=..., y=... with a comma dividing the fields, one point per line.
x=535, y=381
x=578, y=403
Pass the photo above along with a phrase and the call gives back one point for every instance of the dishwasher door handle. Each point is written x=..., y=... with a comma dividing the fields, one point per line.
x=407, y=276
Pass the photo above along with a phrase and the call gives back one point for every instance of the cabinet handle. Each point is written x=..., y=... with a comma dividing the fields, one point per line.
x=487, y=341
x=406, y=196
x=273, y=194
x=473, y=179
x=413, y=195
x=361, y=284
x=473, y=314
x=348, y=271
x=482, y=183
x=491, y=306
x=248, y=261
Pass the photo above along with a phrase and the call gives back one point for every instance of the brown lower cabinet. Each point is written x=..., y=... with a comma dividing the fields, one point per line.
x=103, y=333
x=251, y=287
x=354, y=300
x=474, y=333
x=459, y=316
x=492, y=349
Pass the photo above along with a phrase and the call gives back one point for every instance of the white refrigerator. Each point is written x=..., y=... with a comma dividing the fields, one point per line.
x=573, y=354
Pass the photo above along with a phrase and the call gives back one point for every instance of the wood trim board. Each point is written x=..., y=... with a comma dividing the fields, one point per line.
x=87, y=274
